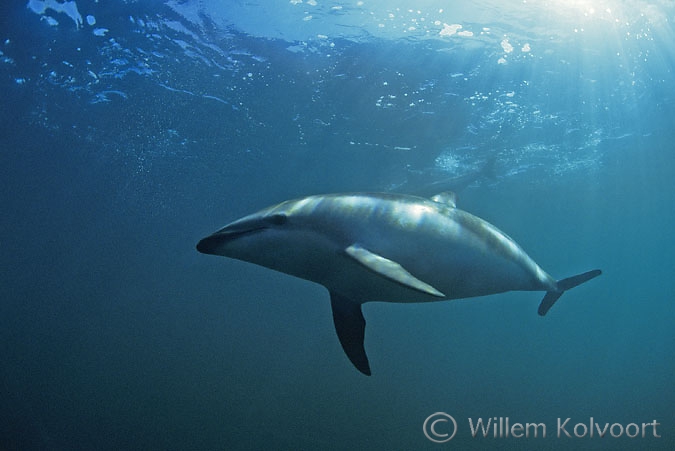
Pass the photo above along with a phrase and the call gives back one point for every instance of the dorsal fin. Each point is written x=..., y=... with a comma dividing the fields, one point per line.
x=448, y=198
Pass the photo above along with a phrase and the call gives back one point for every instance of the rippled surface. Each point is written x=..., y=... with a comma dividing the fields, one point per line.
x=543, y=84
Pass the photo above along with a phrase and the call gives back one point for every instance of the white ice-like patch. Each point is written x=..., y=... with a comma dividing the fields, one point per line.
x=68, y=7
x=100, y=31
x=508, y=48
x=91, y=20
x=526, y=48
x=449, y=30
x=50, y=20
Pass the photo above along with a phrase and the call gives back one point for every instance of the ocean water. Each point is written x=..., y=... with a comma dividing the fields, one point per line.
x=132, y=129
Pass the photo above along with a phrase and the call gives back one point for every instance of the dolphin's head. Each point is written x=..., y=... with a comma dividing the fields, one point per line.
x=246, y=233
x=284, y=237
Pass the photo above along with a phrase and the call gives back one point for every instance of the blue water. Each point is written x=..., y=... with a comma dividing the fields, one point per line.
x=132, y=129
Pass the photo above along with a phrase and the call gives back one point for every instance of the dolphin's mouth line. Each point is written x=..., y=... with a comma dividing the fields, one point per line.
x=234, y=234
x=209, y=244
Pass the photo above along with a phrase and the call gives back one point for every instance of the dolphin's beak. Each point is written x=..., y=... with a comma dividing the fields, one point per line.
x=214, y=243
x=210, y=244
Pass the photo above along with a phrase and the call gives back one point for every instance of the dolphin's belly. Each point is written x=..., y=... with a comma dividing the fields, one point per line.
x=455, y=280
x=459, y=264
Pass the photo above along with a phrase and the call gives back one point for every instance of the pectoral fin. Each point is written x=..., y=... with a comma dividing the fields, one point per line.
x=390, y=269
x=350, y=326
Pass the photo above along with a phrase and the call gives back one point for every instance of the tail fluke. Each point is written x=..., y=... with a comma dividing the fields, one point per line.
x=564, y=285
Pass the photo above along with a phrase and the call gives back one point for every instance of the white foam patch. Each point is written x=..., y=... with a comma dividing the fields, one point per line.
x=449, y=30
x=68, y=7
x=50, y=20
x=508, y=48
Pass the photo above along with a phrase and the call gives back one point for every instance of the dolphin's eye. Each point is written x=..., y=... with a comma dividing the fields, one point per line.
x=278, y=219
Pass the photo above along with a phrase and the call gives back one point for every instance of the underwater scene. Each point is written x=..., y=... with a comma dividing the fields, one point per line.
x=452, y=168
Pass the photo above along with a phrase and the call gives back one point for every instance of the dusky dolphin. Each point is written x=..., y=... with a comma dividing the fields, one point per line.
x=385, y=247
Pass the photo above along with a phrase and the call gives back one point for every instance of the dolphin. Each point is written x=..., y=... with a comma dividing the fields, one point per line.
x=385, y=247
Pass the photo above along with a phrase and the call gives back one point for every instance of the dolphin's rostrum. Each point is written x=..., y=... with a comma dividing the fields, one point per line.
x=385, y=247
